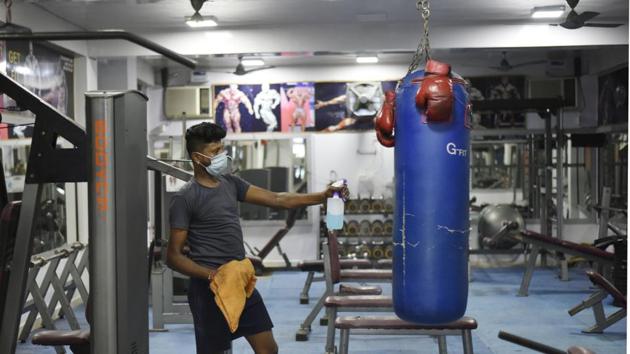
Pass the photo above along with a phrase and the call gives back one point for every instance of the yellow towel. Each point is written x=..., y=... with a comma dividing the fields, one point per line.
x=233, y=283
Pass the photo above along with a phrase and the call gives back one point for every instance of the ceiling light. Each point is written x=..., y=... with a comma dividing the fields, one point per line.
x=253, y=62
x=197, y=21
x=548, y=11
x=372, y=59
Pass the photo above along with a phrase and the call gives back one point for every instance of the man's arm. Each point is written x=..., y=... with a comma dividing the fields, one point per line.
x=247, y=103
x=256, y=195
x=176, y=260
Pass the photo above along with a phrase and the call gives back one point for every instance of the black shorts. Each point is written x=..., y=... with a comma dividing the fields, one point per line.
x=212, y=333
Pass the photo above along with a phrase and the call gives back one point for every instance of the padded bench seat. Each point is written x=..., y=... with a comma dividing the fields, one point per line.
x=598, y=280
x=395, y=326
x=346, y=289
x=576, y=247
x=317, y=265
x=393, y=322
x=52, y=338
x=366, y=274
x=359, y=301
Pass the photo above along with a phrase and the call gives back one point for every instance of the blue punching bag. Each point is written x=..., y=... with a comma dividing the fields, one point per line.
x=430, y=266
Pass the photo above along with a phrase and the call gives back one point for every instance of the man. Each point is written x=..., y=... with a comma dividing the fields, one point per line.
x=231, y=98
x=204, y=214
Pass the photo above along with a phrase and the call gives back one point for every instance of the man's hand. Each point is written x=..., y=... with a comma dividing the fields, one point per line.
x=343, y=191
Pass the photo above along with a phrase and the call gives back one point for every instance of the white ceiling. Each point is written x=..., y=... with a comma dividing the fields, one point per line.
x=163, y=15
x=466, y=31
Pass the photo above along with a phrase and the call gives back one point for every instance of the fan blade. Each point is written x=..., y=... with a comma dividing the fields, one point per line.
x=586, y=16
x=501, y=68
x=603, y=25
x=533, y=62
x=571, y=25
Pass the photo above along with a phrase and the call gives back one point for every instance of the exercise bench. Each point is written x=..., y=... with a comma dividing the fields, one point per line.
x=595, y=301
x=317, y=266
x=538, y=242
x=392, y=325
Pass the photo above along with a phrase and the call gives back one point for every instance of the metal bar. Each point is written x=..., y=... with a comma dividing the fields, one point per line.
x=40, y=303
x=467, y=341
x=559, y=176
x=600, y=326
x=63, y=279
x=19, y=268
x=154, y=164
x=157, y=304
x=529, y=271
x=32, y=316
x=527, y=343
x=331, y=313
x=307, y=287
x=548, y=178
x=101, y=35
x=344, y=341
x=604, y=212
x=442, y=345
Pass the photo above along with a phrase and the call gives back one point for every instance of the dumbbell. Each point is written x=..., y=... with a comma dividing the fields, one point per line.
x=365, y=206
x=351, y=248
x=352, y=206
x=378, y=251
x=389, y=251
x=378, y=205
x=343, y=249
x=378, y=228
x=389, y=228
x=363, y=250
x=353, y=228
x=365, y=228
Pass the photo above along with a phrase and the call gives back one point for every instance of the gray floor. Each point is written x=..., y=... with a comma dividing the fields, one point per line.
x=542, y=317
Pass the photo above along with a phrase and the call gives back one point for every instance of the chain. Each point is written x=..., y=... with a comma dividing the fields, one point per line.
x=422, y=52
x=7, y=4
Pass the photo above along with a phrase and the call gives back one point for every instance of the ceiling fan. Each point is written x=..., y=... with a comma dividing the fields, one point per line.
x=505, y=65
x=575, y=20
x=240, y=68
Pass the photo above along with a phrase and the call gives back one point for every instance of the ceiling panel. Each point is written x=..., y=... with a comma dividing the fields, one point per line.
x=146, y=16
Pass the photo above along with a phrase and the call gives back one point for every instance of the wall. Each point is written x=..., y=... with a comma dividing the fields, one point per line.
x=301, y=242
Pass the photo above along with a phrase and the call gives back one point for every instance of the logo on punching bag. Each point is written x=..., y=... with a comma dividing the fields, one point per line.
x=452, y=149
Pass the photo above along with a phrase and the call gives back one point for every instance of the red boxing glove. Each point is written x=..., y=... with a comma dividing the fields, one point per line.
x=385, y=120
x=435, y=95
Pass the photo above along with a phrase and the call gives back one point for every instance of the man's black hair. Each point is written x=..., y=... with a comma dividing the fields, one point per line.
x=201, y=134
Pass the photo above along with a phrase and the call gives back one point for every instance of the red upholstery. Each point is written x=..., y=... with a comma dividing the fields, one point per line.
x=587, y=250
x=333, y=249
x=393, y=322
x=579, y=350
x=49, y=338
x=603, y=283
x=359, y=301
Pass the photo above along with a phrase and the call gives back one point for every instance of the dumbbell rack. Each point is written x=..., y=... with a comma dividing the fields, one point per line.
x=367, y=231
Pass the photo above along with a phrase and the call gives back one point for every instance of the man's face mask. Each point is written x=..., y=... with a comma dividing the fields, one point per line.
x=220, y=164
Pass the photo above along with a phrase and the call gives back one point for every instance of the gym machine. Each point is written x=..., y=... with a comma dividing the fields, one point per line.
x=109, y=156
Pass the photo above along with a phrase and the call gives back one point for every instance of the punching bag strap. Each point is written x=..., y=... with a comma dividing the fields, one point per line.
x=423, y=51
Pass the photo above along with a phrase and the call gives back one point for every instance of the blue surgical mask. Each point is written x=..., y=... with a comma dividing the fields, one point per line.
x=220, y=164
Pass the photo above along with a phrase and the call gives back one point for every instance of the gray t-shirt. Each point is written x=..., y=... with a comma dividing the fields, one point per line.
x=211, y=217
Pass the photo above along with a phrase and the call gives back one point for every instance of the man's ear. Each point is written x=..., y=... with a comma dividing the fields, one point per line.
x=194, y=156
